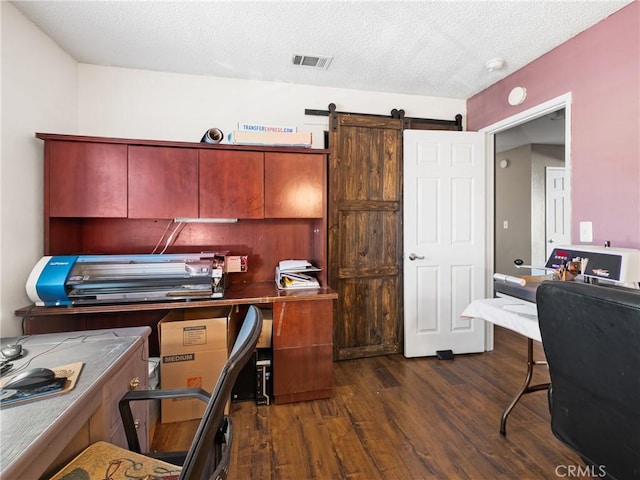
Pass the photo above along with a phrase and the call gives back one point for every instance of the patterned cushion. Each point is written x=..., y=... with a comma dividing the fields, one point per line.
x=103, y=460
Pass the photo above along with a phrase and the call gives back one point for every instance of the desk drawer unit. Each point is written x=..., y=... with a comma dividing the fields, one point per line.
x=106, y=423
x=302, y=350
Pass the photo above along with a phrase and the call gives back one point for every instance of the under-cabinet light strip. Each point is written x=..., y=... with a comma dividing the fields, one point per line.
x=204, y=220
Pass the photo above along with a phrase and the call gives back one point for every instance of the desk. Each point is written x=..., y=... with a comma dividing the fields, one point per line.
x=37, y=436
x=519, y=316
x=302, y=339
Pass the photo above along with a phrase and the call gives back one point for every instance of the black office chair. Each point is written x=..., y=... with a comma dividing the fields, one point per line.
x=208, y=455
x=591, y=338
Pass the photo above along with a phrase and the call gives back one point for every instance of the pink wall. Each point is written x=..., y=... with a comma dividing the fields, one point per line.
x=601, y=69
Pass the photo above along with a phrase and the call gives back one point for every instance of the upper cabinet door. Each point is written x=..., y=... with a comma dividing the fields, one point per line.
x=163, y=182
x=231, y=184
x=294, y=185
x=85, y=179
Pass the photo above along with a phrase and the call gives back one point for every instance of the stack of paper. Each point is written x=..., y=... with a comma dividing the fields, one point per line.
x=296, y=274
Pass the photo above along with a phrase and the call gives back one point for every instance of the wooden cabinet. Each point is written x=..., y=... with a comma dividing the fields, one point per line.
x=294, y=186
x=163, y=182
x=256, y=185
x=39, y=437
x=85, y=179
x=231, y=184
x=302, y=338
x=133, y=375
x=302, y=350
x=110, y=195
x=120, y=195
x=130, y=372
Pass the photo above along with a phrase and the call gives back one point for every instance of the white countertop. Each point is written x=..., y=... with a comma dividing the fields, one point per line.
x=512, y=313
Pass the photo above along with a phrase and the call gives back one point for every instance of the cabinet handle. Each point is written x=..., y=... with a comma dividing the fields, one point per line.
x=136, y=424
x=134, y=383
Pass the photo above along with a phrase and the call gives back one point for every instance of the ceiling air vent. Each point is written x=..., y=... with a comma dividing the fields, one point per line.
x=314, y=61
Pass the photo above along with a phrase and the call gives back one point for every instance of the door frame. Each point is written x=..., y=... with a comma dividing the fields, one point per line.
x=557, y=103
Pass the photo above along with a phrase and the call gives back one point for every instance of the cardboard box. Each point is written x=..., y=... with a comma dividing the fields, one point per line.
x=236, y=263
x=264, y=341
x=294, y=139
x=194, y=345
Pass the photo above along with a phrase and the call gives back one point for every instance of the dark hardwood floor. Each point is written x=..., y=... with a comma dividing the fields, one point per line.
x=397, y=418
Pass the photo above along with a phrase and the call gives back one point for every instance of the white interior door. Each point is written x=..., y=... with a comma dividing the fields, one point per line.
x=557, y=215
x=444, y=240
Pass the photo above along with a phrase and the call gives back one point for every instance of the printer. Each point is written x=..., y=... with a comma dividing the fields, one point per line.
x=587, y=263
x=94, y=279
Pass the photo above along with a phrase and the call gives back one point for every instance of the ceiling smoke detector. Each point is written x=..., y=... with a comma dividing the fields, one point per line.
x=313, y=61
x=494, y=64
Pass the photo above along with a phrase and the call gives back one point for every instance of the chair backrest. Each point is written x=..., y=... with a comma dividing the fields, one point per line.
x=591, y=338
x=201, y=459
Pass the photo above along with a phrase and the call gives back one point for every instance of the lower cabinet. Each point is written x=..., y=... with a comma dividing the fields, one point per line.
x=105, y=424
x=302, y=350
x=133, y=375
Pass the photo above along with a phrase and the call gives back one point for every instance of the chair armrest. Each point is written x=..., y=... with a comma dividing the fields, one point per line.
x=136, y=395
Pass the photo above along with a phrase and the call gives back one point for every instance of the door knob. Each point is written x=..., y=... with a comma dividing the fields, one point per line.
x=413, y=256
x=550, y=240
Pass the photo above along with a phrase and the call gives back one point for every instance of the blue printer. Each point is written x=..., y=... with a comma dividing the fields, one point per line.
x=92, y=279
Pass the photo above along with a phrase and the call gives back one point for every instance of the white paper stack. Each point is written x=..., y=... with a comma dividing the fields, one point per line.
x=292, y=274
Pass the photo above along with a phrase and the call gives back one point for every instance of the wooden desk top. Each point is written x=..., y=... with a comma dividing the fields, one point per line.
x=236, y=294
x=33, y=434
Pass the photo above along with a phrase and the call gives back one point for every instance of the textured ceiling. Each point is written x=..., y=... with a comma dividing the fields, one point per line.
x=548, y=129
x=433, y=48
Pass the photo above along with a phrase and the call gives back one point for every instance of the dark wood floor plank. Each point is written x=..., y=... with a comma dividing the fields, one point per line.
x=396, y=418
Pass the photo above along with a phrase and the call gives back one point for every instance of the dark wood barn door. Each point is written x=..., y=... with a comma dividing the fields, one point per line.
x=365, y=234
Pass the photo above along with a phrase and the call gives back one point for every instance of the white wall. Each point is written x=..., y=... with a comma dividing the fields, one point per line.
x=39, y=93
x=542, y=156
x=51, y=93
x=513, y=205
x=118, y=102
